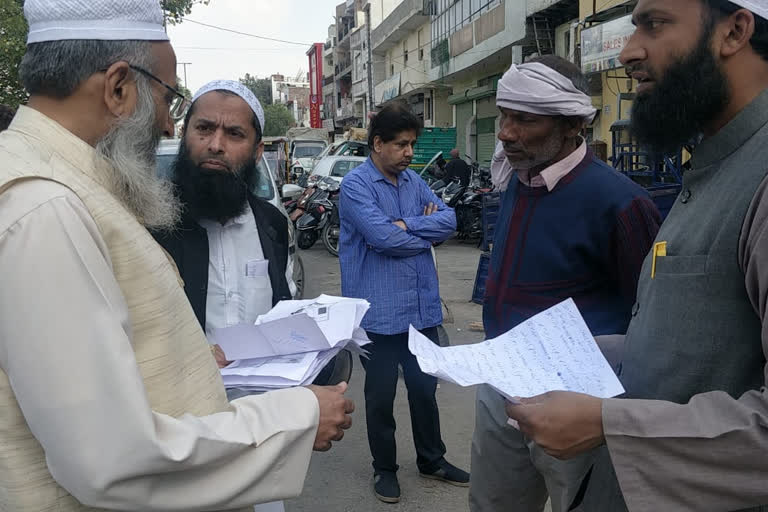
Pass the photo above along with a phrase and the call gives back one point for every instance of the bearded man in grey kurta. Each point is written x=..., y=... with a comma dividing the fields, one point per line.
x=692, y=430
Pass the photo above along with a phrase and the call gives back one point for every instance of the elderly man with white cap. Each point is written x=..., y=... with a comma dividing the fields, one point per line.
x=109, y=395
x=691, y=432
x=569, y=226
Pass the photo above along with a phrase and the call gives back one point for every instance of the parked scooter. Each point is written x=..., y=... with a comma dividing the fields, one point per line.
x=318, y=210
x=469, y=209
x=467, y=202
x=332, y=229
x=299, y=206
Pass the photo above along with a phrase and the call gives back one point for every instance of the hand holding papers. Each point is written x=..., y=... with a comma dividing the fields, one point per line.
x=553, y=350
x=292, y=343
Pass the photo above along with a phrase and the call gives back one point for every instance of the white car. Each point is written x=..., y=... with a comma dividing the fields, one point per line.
x=304, y=153
x=335, y=166
x=264, y=188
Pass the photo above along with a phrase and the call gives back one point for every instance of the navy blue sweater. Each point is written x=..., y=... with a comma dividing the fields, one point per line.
x=586, y=239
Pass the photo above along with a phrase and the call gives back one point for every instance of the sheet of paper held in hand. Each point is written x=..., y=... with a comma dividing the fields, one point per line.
x=552, y=351
x=294, y=327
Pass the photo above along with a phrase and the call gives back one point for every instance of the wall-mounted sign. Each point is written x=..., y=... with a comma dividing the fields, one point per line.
x=315, y=54
x=602, y=44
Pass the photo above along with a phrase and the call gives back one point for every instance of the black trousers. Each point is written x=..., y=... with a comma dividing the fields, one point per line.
x=387, y=352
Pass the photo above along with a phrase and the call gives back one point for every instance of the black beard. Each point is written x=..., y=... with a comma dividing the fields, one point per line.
x=675, y=111
x=211, y=194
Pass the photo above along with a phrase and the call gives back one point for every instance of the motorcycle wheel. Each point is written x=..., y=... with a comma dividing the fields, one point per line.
x=331, y=238
x=306, y=239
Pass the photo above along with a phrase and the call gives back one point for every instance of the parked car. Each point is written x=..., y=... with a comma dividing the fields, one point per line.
x=264, y=188
x=303, y=154
x=335, y=167
x=344, y=148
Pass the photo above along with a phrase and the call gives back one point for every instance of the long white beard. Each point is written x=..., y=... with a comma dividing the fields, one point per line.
x=130, y=148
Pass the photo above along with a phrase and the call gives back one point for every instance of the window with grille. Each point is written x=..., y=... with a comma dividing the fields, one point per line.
x=451, y=16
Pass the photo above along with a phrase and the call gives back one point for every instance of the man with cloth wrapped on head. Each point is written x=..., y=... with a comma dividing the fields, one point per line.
x=569, y=226
x=110, y=397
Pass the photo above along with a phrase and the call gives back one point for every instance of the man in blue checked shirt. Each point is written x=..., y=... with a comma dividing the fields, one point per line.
x=389, y=221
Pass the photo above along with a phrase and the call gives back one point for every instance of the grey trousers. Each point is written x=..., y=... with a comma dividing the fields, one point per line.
x=510, y=473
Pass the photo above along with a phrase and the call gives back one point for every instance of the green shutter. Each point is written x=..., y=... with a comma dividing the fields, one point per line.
x=486, y=139
x=486, y=107
x=463, y=115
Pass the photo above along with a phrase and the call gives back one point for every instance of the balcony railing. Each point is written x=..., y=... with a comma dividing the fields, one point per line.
x=343, y=67
x=405, y=18
x=359, y=88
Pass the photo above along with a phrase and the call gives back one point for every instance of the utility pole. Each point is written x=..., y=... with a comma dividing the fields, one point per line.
x=185, y=64
x=371, y=99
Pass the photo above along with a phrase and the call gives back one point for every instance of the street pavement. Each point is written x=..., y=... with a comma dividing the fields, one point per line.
x=341, y=480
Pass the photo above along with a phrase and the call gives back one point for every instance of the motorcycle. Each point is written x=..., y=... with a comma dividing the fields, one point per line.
x=311, y=224
x=438, y=186
x=467, y=202
x=469, y=210
x=452, y=193
x=298, y=207
x=332, y=229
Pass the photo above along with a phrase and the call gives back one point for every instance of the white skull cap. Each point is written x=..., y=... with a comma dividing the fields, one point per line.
x=103, y=20
x=237, y=88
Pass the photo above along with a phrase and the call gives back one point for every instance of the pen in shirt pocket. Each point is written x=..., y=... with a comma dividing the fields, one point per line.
x=659, y=251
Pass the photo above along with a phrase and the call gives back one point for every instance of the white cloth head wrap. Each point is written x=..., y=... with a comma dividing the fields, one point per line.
x=235, y=87
x=539, y=89
x=104, y=20
x=759, y=7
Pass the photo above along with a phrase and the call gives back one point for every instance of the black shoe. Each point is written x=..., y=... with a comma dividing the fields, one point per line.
x=449, y=473
x=385, y=486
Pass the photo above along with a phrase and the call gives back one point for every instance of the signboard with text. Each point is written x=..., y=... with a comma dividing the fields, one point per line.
x=315, y=54
x=602, y=44
x=314, y=112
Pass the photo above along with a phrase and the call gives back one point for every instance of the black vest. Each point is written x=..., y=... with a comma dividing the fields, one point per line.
x=188, y=246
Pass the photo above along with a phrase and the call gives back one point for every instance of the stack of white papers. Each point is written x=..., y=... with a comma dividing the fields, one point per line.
x=551, y=351
x=292, y=343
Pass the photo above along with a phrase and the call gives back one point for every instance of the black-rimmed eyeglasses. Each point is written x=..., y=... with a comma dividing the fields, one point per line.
x=179, y=105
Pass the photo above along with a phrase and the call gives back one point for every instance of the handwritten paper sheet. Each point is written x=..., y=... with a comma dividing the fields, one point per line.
x=551, y=351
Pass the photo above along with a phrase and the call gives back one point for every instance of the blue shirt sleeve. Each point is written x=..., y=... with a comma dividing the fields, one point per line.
x=437, y=227
x=358, y=207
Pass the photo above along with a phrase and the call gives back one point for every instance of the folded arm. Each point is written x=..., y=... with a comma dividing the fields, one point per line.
x=358, y=207
x=437, y=227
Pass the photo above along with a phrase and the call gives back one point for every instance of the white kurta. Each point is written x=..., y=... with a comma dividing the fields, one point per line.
x=239, y=289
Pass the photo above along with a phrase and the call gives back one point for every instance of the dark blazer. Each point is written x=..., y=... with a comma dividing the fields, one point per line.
x=188, y=246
